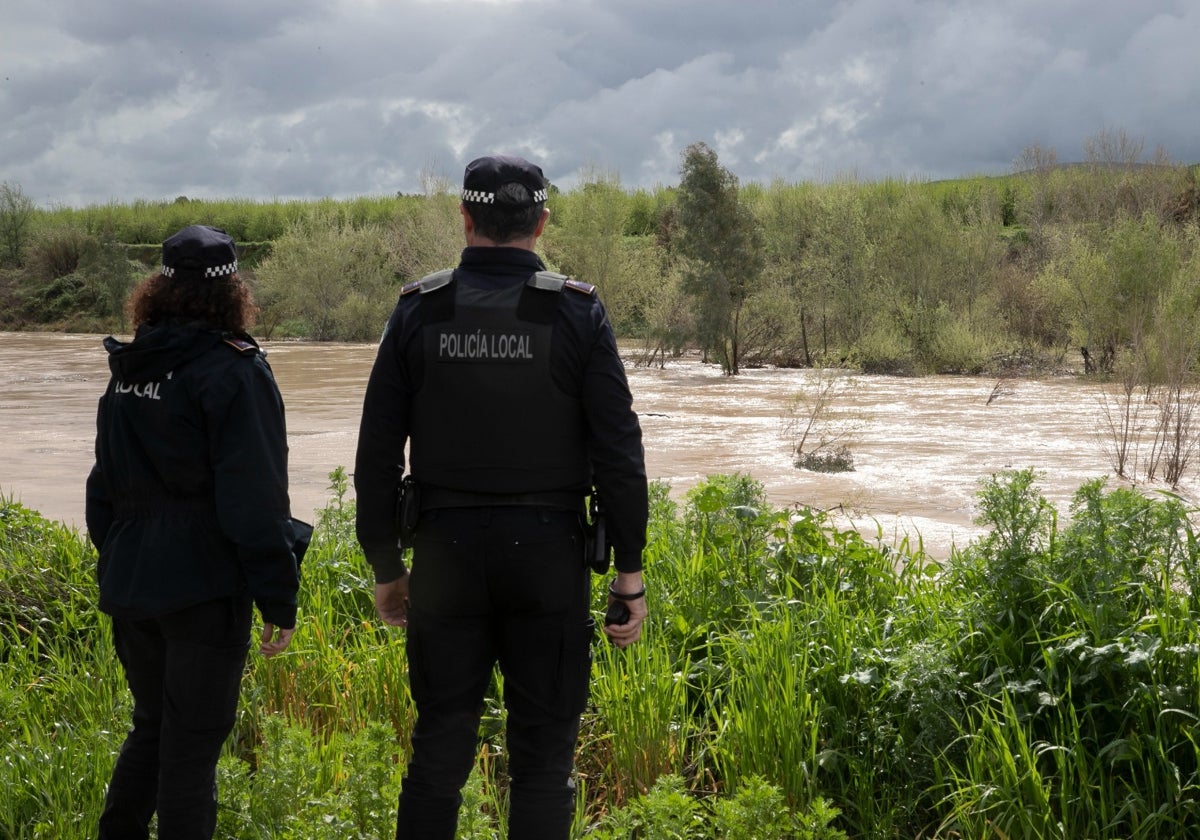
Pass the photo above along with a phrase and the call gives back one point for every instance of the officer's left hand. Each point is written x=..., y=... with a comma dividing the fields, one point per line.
x=391, y=601
x=273, y=644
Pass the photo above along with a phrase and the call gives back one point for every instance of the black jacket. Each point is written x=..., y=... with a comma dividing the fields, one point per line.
x=584, y=365
x=188, y=498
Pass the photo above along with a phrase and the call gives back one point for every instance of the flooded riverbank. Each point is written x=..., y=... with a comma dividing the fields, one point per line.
x=920, y=446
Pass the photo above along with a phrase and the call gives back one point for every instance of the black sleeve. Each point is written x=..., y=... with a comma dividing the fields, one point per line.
x=615, y=442
x=248, y=442
x=379, y=460
x=98, y=509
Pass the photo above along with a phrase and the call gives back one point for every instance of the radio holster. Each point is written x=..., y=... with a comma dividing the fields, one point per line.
x=596, y=549
x=408, y=510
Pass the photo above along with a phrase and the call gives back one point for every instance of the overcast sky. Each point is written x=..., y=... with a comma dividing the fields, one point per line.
x=117, y=100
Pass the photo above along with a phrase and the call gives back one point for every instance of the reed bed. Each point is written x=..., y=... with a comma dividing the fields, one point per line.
x=795, y=680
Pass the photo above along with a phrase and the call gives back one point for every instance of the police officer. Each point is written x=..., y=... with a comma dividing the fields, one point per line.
x=188, y=506
x=504, y=381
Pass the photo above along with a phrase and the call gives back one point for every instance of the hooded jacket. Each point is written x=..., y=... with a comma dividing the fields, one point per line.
x=188, y=498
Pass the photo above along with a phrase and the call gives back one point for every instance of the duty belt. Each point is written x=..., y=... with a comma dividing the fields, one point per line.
x=443, y=497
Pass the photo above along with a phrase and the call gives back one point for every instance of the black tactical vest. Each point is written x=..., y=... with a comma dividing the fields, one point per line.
x=488, y=418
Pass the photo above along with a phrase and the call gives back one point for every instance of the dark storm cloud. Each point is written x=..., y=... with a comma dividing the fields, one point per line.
x=302, y=98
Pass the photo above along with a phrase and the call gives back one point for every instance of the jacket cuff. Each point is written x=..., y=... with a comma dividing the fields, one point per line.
x=627, y=561
x=388, y=570
x=281, y=615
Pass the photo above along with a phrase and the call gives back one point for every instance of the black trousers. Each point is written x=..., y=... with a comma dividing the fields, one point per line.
x=500, y=586
x=184, y=670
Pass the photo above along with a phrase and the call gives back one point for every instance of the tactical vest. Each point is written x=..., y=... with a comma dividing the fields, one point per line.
x=488, y=418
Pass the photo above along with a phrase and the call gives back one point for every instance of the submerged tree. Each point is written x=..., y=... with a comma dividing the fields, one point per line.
x=722, y=259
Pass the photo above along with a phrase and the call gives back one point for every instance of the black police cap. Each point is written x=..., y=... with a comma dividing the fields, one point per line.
x=486, y=175
x=197, y=252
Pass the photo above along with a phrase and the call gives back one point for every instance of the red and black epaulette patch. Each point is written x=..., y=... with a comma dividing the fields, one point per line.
x=241, y=345
x=580, y=286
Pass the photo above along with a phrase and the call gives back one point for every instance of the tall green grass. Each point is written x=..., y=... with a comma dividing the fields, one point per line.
x=795, y=680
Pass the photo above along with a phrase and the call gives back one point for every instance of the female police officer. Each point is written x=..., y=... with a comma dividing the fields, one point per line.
x=188, y=506
x=505, y=382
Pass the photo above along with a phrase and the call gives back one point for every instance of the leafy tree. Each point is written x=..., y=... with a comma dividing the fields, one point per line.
x=668, y=322
x=586, y=237
x=1118, y=282
x=840, y=258
x=719, y=241
x=789, y=221
x=915, y=259
x=16, y=215
x=429, y=235
x=772, y=326
x=109, y=275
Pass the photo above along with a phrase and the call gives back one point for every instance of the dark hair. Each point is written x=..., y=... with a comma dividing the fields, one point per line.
x=224, y=303
x=510, y=217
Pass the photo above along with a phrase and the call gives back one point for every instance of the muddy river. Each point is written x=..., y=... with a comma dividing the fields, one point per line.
x=920, y=446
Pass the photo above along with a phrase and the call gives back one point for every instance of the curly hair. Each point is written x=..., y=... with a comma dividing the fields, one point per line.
x=224, y=303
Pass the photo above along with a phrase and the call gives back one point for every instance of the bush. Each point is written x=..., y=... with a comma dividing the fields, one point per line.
x=336, y=279
x=959, y=348
x=837, y=459
x=883, y=351
x=57, y=251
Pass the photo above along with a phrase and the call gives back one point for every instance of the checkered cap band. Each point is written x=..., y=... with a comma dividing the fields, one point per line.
x=211, y=271
x=478, y=196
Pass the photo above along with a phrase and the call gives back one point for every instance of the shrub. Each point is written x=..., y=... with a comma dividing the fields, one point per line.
x=957, y=347
x=837, y=459
x=884, y=351
x=57, y=251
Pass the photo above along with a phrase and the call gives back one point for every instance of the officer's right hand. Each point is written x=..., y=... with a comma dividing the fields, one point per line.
x=628, y=632
x=391, y=601
x=623, y=635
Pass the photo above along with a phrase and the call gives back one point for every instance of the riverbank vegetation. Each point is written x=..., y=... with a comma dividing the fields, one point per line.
x=1091, y=266
x=795, y=681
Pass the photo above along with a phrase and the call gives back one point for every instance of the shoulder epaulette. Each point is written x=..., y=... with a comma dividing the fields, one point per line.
x=241, y=345
x=552, y=281
x=549, y=281
x=428, y=283
x=580, y=286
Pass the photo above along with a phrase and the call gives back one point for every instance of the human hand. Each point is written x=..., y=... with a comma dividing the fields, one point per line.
x=275, y=640
x=630, y=629
x=391, y=601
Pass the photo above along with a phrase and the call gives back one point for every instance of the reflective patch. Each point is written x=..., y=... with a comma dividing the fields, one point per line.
x=485, y=346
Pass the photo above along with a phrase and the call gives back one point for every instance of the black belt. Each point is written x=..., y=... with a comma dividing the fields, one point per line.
x=442, y=497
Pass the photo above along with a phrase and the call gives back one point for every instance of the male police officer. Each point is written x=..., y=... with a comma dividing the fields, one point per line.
x=504, y=380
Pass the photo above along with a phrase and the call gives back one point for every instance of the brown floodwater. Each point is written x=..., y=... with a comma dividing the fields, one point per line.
x=920, y=446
